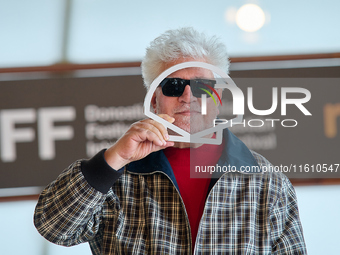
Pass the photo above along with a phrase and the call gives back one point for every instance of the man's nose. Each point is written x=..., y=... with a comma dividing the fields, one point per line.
x=187, y=96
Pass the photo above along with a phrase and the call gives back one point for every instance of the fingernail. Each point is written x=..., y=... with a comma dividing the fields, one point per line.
x=167, y=137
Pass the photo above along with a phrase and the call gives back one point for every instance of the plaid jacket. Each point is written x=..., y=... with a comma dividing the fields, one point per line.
x=139, y=210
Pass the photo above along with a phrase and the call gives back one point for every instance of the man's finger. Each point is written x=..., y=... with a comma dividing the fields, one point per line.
x=150, y=126
x=164, y=130
x=167, y=117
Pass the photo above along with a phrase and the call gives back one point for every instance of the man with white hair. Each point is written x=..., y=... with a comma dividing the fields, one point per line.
x=137, y=197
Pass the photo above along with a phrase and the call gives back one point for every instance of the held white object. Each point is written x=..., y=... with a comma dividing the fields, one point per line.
x=198, y=137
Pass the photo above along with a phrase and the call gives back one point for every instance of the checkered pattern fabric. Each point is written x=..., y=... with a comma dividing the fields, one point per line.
x=143, y=213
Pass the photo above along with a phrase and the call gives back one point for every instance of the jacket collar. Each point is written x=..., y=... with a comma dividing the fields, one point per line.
x=235, y=154
x=154, y=162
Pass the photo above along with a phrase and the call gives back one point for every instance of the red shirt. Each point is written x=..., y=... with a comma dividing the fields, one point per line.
x=193, y=190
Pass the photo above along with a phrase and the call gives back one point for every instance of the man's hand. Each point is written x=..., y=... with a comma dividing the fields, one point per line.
x=142, y=138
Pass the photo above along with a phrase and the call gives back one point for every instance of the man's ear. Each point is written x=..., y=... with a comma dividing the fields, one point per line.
x=154, y=102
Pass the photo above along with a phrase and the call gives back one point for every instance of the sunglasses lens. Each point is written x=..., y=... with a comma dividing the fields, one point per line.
x=172, y=87
x=202, y=86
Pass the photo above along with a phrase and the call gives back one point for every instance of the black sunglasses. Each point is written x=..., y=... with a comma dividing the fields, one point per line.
x=174, y=87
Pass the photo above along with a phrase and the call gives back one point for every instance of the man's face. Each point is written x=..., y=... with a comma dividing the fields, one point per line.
x=186, y=109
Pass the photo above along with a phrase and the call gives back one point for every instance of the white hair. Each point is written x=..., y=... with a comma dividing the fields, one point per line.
x=182, y=43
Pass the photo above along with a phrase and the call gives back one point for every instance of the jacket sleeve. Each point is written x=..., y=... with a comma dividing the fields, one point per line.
x=287, y=234
x=69, y=210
